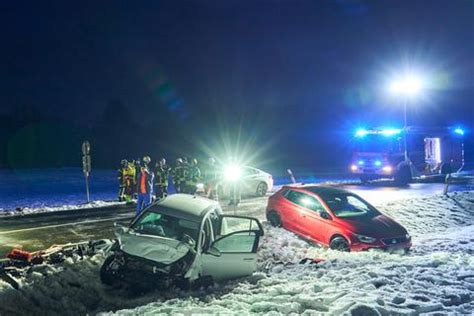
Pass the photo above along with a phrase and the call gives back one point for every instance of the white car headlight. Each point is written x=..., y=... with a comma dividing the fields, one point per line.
x=232, y=173
x=365, y=239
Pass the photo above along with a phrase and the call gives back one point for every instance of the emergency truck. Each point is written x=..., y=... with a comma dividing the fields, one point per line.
x=402, y=154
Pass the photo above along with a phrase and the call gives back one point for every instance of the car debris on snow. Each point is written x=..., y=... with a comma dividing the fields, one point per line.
x=19, y=263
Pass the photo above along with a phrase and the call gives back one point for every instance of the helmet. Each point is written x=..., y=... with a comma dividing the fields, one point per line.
x=194, y=161
x=179, y=161
x=146, y=159
x=124, y=162
x=163, y=161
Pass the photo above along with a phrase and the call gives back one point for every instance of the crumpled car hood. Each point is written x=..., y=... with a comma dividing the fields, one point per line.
x=158, y=249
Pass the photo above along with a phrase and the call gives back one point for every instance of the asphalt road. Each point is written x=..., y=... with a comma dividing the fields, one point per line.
x=41, y=231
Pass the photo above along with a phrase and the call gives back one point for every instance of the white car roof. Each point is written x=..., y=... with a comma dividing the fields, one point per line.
x=188, y=205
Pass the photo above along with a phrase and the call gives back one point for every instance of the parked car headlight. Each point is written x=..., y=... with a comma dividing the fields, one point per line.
x=365, y=239
x=232, y=173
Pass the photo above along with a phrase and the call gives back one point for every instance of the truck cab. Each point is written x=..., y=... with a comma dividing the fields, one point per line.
x=401, y=154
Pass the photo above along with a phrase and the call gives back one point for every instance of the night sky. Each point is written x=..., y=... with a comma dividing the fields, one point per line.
x=282, y=82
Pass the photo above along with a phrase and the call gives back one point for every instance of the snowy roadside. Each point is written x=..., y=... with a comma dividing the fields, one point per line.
x=437, y=276
x=62, y=208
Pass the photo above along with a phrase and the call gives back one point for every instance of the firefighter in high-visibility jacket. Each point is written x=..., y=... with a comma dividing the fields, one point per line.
x=178, y=175
x=193, y=175
x=129, y=174
x=137, y=164
x=121, y=179
x=162, y=172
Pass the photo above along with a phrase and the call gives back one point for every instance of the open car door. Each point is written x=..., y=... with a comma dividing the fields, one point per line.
x=233, y=252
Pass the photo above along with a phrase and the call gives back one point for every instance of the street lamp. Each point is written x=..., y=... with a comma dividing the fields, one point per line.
x=407, y=87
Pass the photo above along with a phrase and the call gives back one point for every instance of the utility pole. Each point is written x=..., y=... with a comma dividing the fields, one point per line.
x=405, y=129
x=86, y=165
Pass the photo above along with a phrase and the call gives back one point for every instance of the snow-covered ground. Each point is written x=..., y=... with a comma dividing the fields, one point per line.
x=67, y=207
x=46, y=188
x=436, y=277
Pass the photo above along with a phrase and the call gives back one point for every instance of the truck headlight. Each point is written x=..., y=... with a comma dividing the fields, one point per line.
x=365, y=239
x=387, y=169
x=354, y=168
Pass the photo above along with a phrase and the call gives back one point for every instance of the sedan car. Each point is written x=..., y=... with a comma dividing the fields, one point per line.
x=335, y=218
x=180, y=240
x=252, y=182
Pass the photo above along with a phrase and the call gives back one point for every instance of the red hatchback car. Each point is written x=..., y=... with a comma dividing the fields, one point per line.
x=335, y=218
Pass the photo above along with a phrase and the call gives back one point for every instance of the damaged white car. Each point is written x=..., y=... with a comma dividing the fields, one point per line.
x=183, y=240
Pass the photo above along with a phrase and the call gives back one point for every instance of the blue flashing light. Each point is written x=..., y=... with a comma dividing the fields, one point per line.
x=459, y=131
x=390, y=132
x=377, y=163
x=385, y=132
x=361, y=162
x=361, y=132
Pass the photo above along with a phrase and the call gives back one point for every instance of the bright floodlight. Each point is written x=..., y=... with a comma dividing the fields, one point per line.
x=232, y=173
x=409, y=85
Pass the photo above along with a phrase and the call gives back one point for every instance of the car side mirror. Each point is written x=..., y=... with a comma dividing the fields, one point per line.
x=213, y=251
x=325, y=215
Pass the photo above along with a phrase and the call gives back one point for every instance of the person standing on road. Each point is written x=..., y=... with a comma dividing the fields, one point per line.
x=210, y=176
x=185, y=164
x=179, y=176
x=137, y=166
x=144, y=185
x=162, y=172
x=129, y=180
x=121, y=179
x=193, y=175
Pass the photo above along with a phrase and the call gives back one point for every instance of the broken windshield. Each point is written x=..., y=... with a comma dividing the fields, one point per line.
x=157, y=224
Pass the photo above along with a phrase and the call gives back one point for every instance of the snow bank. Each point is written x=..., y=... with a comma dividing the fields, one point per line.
x=370, y=283
x=29, y=211
x=437, y=276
